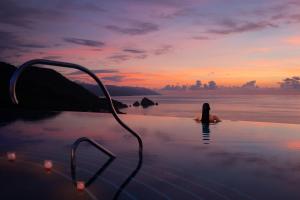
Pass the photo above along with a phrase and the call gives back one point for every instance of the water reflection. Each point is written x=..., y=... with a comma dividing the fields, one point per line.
x=103, y=167
x=100, y=170
x=205, y=133
x=246, y=161
x=132, y=175
x=10, y=116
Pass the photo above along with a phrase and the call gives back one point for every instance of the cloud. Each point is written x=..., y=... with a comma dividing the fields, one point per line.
x=211, y=85
x=175, y=87
x=119, y=57
x=273, y=16
x=52, y=57
x=295, y=18
x=178, y=12
x=97, y=71
x=141, y=56
x=124, y=57
x=139, y=28
x=35, y=46
x=163, y=50
x=137, y=51
x=81, y=6
x=201, y=38
x=197, y=85
x=7, y=40
x=173, y=3
x=26, y=15
x=131, y=19
x=290, y=83
x=229, y=27
x=84, y=42
x=12, y=46
x=250, y=85
x=295, y=40
x=52, y=129
x=13, y=14
x=116, y=78
x=286, y=12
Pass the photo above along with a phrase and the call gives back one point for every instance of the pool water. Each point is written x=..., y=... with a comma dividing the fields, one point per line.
x=232, y=160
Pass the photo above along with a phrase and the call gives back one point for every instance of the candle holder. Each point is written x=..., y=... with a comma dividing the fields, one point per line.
x=80, y=186
x=48, y=165
x=11, y=156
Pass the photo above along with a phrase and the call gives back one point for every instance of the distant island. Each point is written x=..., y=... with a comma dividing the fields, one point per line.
x=120, y=90
x=45, y=89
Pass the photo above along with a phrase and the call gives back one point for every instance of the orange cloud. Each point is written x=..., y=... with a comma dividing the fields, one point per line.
x=295, y=40
x=260, y=50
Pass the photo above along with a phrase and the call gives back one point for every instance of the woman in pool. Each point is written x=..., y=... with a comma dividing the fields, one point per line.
x=206, y=117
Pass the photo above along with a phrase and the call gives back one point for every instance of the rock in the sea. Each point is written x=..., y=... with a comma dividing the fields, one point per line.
x=136, y=104
x=147, y=102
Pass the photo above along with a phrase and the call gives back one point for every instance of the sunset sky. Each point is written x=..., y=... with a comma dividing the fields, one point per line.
x=158, y=42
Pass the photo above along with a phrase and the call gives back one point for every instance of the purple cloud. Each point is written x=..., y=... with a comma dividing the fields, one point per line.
x=140, y=28
x=290, y=83
x=84, y=42
x=250, y=85
x=7, y=40
x=52, y=57
x=124, y=57
x=229, y=26
x=81, y=6
x=13, y=46
x=97, y=71
x=135, y=51
x=35, y=46
x=163, y=50
x=201, y=38
x=24, y=15
x=119, y=57
x=116, y=78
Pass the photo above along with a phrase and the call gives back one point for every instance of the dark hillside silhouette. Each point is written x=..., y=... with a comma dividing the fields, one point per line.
x=46, y=89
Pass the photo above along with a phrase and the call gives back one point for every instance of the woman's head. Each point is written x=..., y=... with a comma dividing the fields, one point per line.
x=205, y=107
x=205, y=113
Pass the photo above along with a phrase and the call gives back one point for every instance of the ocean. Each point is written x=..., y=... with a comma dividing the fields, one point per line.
x=262, y=108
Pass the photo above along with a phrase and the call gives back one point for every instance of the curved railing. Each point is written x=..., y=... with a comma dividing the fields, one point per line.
x=97, y=146
x=13, y=96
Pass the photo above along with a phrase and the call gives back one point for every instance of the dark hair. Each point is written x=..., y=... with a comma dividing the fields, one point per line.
x=205, y=113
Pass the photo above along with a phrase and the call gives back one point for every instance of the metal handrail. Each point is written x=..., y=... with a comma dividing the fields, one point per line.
x=100, y=170
x=13, y=96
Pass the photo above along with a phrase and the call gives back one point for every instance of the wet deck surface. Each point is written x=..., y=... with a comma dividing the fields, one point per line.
x=28, y=180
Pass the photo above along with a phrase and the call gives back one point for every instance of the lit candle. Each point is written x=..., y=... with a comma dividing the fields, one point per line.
x=48, y=165
x=80, y=185
x=11, y=156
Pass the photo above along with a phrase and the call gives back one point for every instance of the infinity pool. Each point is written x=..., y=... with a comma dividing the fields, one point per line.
x=232, y=160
